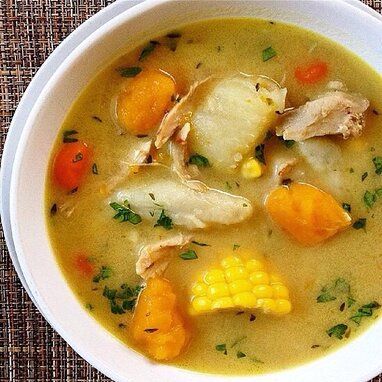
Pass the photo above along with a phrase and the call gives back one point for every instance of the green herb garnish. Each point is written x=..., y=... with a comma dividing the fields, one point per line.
x=240, y=354
x=364, y=176
x=378, y=165
x=259, y=153
x=147, y=50
x=360, y=223
x=164, y=221
x=122, y=300
x=287, y=142
x=222, y=348
x=268, y=53
x=124, y=213
x=199, y=160
x=130, y=72
x=103, y=274
x=67, y=136
x=89, y=307
x=325, y=297
x=235, y=247
x=200, y=244
x=337, y=331
x=365, y=311
x=53, y=209
x=346, y=207
x=350, y=302
x=188, y=255
x=369, y=199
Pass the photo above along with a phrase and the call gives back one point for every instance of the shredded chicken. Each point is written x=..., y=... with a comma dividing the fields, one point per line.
x=335, y=112
x=172, y=119
x=154, y=258
x=285, y=168
x=136, y=158
x=184, y=205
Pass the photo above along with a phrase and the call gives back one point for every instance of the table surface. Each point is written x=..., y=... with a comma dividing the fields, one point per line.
x=30, y=350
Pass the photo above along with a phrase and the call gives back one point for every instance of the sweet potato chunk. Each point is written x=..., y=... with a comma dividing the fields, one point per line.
x=144, y=102
x=308, y=214
x=158, y=326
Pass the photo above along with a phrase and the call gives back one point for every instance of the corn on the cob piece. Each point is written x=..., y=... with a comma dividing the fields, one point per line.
x=240, y=284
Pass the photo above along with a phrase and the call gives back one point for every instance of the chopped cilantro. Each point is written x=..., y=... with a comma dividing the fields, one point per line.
x=325, y=297
x=240, y=354
x=130, y=72
x=95, y=169
x=200, y=244
x=378, y=192
x=103, y=274
x=188, y=255
x=236, y=246
x=351, y=170
x=147, y=50
x=124, y=213
x=259, y=153
x=350, y=302
x=365, y=311
x=287, y=142
x=342, y=285
x=337, y=331
x=360, y=223
x=364, y=176
x=89, y=307
x=67, y=136
x=164, y=221
x=122, y=300
x=98, y=119
x=222, y=348
x=268, y=53
x=378, y=165
x=346, y=207
x=369, y=199
x=199, y=160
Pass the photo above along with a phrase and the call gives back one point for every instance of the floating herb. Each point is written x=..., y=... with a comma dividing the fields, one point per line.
x=122, y=325
x=378, y=165
x=337, y=331
x=95, y=169
x=53, y=209
x=122, y=300
x=350, y=302
x=199, y=160
x=259, y=153
x=325, y=297
x=104, y=273
x=346, y=207
x=364, y=176
x=268, y=53
x=222, y=348
x=200, y=244
x=198, y=65
x=369, y=199
x=98, y=119
x=331, y=292
x=288, y=143
x=240, y=354
x=365, y=311
x=147, y=50
x=130, y=72
x=67, y=136
x=164, y=221
x=173, y=35
x=89, y=307
x=124, y=213
x=235, y=247
x=359, y=223
x=151, y=330
x=241, y=339
x=188, y=255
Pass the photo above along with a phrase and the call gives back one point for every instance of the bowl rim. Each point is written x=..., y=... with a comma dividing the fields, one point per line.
x=144, y=7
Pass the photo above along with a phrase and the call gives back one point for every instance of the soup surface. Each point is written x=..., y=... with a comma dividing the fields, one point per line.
x=331, y=265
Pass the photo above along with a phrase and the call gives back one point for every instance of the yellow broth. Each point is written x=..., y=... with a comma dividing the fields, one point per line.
x=226, y=47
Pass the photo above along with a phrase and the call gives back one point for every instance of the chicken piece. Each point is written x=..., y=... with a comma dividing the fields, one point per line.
x=186, y=206
x=176, y=116
x=154, y=258
x=335, y=112
x=286, y=167
x=135, y=158
x=308, y=214
x=232, y=117
x=159, y=327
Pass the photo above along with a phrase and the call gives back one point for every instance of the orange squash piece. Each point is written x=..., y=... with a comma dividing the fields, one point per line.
x=145, y=100
x=308, y=214
x=158, y=326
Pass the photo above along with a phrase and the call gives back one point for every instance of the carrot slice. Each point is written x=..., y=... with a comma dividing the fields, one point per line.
x=312, y=73
x=158, y=326
x=308, y=214
x=83, y=265
x=144, y=102
x=71, y=164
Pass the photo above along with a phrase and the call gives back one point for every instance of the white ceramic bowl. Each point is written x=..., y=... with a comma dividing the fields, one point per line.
x=360, y=360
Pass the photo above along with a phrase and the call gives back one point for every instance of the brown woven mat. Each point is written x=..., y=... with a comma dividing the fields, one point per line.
x=30, y=350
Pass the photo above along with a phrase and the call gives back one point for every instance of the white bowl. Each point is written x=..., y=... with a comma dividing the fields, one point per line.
x=360, y=360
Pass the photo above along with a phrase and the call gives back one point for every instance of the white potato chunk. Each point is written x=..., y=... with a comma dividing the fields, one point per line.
x=233, y=117
x=184, y=205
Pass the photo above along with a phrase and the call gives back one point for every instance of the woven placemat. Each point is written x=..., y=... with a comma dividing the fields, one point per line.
x=30, y=350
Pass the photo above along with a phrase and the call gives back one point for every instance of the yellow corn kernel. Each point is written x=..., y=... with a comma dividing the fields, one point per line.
x=223, y=303
x=254, y=265
x=259, y=278
x=199, y=289
x=280, y=291
x=214, y=276
x=245, y=300
x=218, y=290
x=201, y=304
x=236, y=273
x=263, y=291
x=239, y=286
x=282, y=306
x=251, y=169
x=231, y=261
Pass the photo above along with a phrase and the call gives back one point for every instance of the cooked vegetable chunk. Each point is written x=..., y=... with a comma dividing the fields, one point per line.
x=308, y=214
x=233, y=117
x=312, y=73
x=186, y=206
x=71, y=164
x=158, y=327
x=144, y=101
x=240, y=284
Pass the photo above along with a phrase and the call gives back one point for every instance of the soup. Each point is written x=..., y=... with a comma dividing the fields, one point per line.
x=212, y=201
